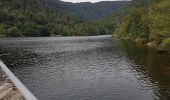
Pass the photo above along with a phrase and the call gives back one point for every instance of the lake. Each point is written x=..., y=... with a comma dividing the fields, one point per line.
x=87, y=68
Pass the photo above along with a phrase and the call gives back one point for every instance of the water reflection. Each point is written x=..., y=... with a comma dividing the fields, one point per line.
x=155, y=66
x=88, y=68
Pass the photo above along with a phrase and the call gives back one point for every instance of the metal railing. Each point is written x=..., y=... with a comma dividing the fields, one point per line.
x=19, y=85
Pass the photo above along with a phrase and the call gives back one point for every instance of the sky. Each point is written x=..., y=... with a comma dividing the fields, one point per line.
x=93, y=1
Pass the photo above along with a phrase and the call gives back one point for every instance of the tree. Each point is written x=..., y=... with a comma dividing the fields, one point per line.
x=2, y=31
x=13, y=31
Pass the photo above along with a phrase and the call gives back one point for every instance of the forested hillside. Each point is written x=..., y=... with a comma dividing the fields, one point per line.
x=31, y=18
x=87, y=10
x=148, y=22
x=36, y=18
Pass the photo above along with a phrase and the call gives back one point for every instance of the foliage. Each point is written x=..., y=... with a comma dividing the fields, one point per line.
x=148, y=21
x=165, y=45
x=35, y=18
x=2, y=31
x=13, y=31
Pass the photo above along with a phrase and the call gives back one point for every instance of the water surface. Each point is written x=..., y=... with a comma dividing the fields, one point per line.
x=87, y=68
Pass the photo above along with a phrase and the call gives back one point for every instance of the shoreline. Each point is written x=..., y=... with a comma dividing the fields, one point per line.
x=152, y=45
x=56, y=36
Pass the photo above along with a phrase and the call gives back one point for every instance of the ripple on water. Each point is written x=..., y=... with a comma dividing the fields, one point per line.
x=87, y=68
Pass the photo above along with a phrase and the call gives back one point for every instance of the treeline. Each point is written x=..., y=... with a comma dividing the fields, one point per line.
x=147, y=22
x=34, y=18
x=30, y=18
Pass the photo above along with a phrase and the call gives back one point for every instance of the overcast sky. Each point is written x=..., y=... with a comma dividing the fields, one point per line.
x=75, y=1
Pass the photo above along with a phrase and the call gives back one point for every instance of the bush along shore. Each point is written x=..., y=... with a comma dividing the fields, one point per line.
x=147, y=22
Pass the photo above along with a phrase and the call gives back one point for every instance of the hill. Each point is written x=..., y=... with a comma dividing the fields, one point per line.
x=20, y=18
x=32, y=18
x=87, y=10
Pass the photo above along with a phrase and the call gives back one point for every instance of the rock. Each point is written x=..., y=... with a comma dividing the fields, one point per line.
x=152, y=44
x=9, y=92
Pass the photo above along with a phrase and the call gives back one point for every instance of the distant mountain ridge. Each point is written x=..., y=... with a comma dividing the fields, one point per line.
x=34, y=18
x=88, y=10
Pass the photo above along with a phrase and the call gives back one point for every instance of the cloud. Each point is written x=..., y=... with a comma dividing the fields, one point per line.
x=93, y=1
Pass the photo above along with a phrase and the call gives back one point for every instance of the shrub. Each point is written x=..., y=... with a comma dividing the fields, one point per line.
x=165, y=45
x=13, y=31
x=2, y=31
